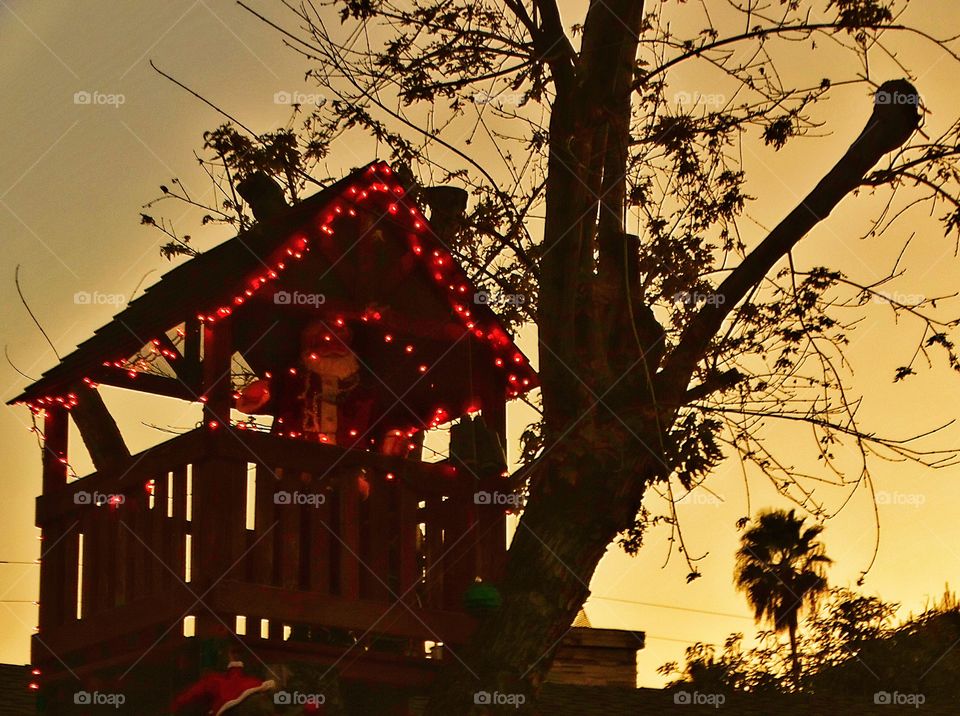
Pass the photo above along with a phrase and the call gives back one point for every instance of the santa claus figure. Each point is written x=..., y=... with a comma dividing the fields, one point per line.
x=321, y=397
x=331, y=374
x=228, y=692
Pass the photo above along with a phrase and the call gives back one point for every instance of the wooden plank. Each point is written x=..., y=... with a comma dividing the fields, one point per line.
x=349, y=534
x=144, y=383
x=301, y=607
x=89, y=588
x=381, y=535
x=157, y=576
x=329, y=463
x=178, y=526
x=217, y=389
x=55, y=444
x=320, y=544
x=54, y=551
x=408, y=535
x=265, y=527
x=123, y=479
x=460, y=544
x=120, y=544
x=161, y=609
x=104, y=578
x=130, y=520
x=288, y=534
x=491, y=554
x=217, y=525
x=191, y=351
x=367, y=668
x=433, y=552
x=71, y=549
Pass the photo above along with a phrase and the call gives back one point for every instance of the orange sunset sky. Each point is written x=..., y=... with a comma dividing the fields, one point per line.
x=73, y=178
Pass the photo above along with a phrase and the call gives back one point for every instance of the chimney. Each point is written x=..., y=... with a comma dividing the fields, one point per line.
x=448, y=204
x=263, y=194
x=597, y=657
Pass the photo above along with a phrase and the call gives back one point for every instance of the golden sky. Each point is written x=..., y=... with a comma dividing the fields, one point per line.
x=73, y=177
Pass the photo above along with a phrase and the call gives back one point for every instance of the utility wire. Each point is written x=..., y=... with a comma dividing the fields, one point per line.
x=670, y=606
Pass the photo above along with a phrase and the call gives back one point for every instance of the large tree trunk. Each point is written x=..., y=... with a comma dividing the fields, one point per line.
x=590, y=480
x=794, y=656
x=565, y=531
x=605, y=420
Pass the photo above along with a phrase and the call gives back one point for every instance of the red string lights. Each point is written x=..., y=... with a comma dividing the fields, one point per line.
x=376, y=189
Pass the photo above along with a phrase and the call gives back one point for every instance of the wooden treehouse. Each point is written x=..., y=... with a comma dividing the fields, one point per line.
x=302, y=516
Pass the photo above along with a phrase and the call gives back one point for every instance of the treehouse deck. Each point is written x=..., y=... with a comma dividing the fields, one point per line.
x=269, y=539
x=322, y=343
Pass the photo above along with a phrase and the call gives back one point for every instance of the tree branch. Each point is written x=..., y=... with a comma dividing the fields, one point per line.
x=894, y=119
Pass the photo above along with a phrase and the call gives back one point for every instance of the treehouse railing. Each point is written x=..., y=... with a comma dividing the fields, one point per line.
x=266, y=537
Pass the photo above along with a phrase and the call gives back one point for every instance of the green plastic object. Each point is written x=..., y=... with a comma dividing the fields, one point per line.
x=482, y=598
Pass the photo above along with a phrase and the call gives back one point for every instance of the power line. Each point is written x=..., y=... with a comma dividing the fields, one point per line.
x=669, y=638
x=671, y=606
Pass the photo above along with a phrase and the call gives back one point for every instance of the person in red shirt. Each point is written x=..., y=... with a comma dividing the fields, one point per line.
x=222, y=693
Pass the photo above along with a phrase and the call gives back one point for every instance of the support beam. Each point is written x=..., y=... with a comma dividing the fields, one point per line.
x=99, y=430
x=147, y=383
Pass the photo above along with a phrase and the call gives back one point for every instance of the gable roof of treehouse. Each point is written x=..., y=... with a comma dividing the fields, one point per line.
x=362, y=244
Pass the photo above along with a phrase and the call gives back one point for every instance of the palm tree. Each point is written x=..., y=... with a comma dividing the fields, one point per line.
x=780, y=567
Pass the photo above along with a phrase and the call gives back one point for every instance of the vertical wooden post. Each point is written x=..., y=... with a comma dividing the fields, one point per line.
x=191, y=352
x=380, y=531
x=492, y=525
x=56, y=543
x=349, y=536
x=494, y=412
x=408, y=518
x=219, y=484
x=217, y=388
x=55, y=429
